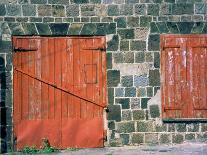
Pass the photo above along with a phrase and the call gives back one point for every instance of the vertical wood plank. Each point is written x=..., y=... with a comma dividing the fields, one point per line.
x=76, y=76
x=51, y=55
x=44, y=76
x=31, y=102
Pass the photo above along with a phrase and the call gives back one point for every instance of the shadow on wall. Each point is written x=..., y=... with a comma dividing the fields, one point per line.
x=3, y=109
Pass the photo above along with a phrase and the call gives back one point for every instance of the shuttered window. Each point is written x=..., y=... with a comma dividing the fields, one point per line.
x=184, y=76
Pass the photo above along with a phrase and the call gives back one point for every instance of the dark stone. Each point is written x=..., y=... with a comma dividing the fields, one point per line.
x=38, y=1
x=124, y=45
x=59, y=28
x=119, y=92
x=186, y=18
x=16, y=28
x=29, y=28
x=109, y=60
x=129, y=57
x=105, y=28
x=154, y=77
x=154, y=43
x=198, y=27
x=182, y=8
x=137, y=138
x=125, y=127
x=111, y=125
x=166, y=9
x=124, y=139
x=154, y=111
x=185, y=27
x=126, y=9
x=145, y=21
x=132, y=1
x=113, y=77
x=9, y=19
x=149, y=91
x=5, y=46
x=138, y=115
x=204, y=31
x=113, y=44
x=140, y=9
x=170, y=1
x=153, y=9
x=126, y=33
x=76, y=19
x=145, y=126
x=141, y=80
x=80, y=1
x=43, y=29
x=190, y=136
x=165, y=138
x=177, y=138
x=118, y=57
x=22, y=19
x=75, y=29
x=162, y=27
x=48, y=19
x=138, y=45
x=127, y=81
x=95, y=1
x=171, y=127
x=2, y=10
x=29, y=10
x=156, y=89
x=113, y=10
x=114, y=113
x=154, y=28
x=161, y=128
x=89, y=29
x=139, y=57
x=111, y=95
x=172, y=26
x=121, y=22
x=95, y=19
x=200, y=8
x=144, y=103
x=157, y=60
x=149, y=57
x=88, y=10
x=58, y=10
x=181, y=127
x=130, y=92
x=65, y=2
x=123, y=101
x=44, y=10
x=151, y=138
x=126, y=115
x=13, y=10
x=193, y=127
x=203, y=127
x=72, y=10
x=35, y=19
x=107, y=19
x=133, y=21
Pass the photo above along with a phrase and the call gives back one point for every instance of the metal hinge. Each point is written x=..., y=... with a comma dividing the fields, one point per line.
x=96, y=49
x=24, y=49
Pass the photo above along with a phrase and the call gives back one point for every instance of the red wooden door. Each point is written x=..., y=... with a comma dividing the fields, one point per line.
x=184, y=76
x=59, y=91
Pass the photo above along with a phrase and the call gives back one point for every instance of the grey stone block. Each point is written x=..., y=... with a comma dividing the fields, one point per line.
x=125, y=127
x=72, y=10
x=114, y=113
x=141, y=80
x=29, y=10
x=13, y=10
x=127, y=81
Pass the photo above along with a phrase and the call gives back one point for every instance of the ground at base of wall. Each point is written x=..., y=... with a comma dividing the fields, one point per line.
x=186, y=148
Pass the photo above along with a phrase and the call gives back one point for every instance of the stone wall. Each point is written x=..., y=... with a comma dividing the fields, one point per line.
x=132, y=29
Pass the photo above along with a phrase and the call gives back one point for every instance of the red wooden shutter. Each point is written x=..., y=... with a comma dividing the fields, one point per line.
x=184, y=76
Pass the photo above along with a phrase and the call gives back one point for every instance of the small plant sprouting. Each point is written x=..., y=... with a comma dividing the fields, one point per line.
x=46, y=148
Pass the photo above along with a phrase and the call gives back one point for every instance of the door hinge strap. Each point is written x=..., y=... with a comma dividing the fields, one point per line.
x=24, y=49
x=96, y=49
x=55, y=86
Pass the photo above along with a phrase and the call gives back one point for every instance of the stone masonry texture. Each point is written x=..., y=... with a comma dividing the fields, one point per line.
x=132, y=29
